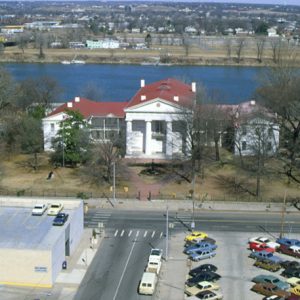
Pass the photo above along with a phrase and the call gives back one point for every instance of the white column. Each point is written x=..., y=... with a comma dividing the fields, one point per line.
x=128, y=137
x=169, y=145
x=148, y=138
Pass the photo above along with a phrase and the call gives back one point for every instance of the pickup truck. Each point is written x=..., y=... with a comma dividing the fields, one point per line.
x=289, y=250
x=153, y=266
x=264, y=255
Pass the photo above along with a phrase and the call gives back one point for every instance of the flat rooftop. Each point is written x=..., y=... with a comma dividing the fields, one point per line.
x=21, y=230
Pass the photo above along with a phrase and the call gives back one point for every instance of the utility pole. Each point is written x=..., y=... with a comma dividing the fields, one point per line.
x=167, y=231
x=63, y=145
x=193, y=200
x=283, y=215
x=114, y=181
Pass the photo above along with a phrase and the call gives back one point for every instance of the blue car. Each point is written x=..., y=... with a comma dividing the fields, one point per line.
x=199, y=246
x=288, y=242
x=60, y=219
x=202, y=254
x=271, y=279
x=264, y=255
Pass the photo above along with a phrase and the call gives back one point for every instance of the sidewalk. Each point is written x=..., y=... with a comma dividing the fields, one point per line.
x=187, y=205
x=174, y=271
x=68, y=280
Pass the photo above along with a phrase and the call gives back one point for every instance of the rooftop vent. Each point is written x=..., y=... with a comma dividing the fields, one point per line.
x=69, y=104
x=176, y=98
x=143, y=97
x=142, y=83
x=77, y=99
x=194, y=87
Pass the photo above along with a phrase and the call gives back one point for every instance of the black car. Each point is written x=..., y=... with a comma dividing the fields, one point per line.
x=291, y=272
x=60, y=219
x=290, y=264
x=203, y=268
x=209, y=295
x=204, y=276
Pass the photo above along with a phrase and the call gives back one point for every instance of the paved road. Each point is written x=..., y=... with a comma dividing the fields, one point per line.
x=129, y=236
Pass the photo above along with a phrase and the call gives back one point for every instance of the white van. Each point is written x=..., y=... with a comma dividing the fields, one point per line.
x=148, y=283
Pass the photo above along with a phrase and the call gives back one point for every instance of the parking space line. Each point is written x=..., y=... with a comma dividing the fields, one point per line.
x=122, y=233
x=130, y=232
x=137, y=234
x=153, y=233
x=116, y=232
x=145, y=234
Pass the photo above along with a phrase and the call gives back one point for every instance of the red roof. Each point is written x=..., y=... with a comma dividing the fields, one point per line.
x=165, y=89
x=91, y=108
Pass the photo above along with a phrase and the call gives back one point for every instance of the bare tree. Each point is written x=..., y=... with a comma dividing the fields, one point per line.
x=277, y=48
x=228, y=47
x=23, y=40
x=186, y=44
x=240, y=45
x=260, y=47
x=7, y=90
x=92, y=91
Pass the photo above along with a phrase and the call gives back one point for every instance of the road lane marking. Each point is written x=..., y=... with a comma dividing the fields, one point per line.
x=161, y=234
x=122, y=233
x=116, y=232
x=153, y=233
x=145, y=234
x=124, y=270
x=137, y=234
x=130, y=232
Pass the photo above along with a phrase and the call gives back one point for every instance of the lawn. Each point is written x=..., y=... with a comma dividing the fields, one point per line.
x=132, y=179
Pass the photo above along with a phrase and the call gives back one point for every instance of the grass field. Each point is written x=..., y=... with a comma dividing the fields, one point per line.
x=17, y=178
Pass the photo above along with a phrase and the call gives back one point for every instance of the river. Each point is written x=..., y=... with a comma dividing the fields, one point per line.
x=121, y=82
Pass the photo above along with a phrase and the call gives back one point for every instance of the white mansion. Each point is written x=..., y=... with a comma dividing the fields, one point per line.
x=152, y=121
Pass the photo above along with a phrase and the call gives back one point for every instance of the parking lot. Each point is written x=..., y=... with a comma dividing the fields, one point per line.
x=232, y=260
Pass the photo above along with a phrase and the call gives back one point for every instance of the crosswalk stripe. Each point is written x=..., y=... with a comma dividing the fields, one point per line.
x=137, y=233
x=130, y=232
x=122, y=233
x=116, y=232
x=145, y=234
x=161, y=234
x=153, y=233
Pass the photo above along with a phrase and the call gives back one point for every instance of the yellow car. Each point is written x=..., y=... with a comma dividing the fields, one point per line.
x=195, y=235
x=295, y=290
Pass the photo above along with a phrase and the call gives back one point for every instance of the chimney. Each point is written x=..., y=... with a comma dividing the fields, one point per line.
x=77, y=99
x=252, y=102
x=194, y=87
x=143, y=97
x=142, y=83
x=176, y=98
x=69, y=104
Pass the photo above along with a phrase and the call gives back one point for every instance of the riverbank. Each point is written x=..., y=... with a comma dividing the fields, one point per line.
x=157, y=56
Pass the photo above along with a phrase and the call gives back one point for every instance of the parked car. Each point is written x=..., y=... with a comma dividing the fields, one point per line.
x=295, y=290
x=211, y=295
x=39, y=209
x=269, y=289
x=266, y=256
x=196, y=235
x=291, y=272
x=200, y=287
x=290, y=250
x=199, y=246
x=293, y=281
x=267, y=265
x=293, y=297
x=155, y=254
x=271, y=279
x=273, y=297
x=198, y=240
x=202, y=254
x=290, y=264
x=60, y=219
x=288, y=242
x=264, y=240
x=203, y=268
x=55, y=208
x=204, y=276
x=260, y=247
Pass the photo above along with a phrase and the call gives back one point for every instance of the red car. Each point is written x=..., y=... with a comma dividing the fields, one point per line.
x=260, y=247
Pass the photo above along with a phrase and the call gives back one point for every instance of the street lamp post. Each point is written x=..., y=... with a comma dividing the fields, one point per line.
x=193, y=201
x=167, y=231
x=114, y=181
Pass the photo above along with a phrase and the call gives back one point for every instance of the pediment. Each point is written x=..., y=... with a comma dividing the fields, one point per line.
x=155, y=106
